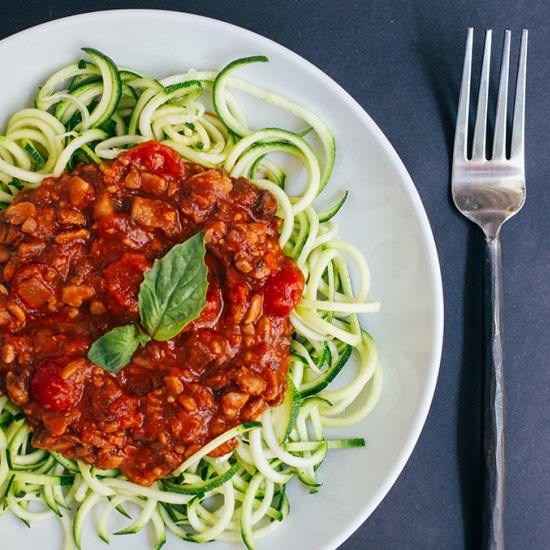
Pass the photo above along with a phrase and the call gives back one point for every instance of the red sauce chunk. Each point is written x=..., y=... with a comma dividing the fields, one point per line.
x=72, y=256
x=52, y=388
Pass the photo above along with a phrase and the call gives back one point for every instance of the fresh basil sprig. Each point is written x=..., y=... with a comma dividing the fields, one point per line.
x=171, y=295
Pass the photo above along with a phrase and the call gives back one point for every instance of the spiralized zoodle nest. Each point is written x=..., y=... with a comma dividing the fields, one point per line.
x=91, y=111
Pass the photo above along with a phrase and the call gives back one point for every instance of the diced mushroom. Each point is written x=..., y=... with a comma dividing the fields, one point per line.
x=250, y=383
x=29, y=226
x=153, y=184
x=232, y=403
x=211, y=184
x=17, y=386
x=133, y=179
x=155, y=214
x=70, y=216
x=18, y=213
x=103, y=207
x=81, y=193
x=34, y=284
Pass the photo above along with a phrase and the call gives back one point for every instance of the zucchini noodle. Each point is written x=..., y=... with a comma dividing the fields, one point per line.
x=91, y=111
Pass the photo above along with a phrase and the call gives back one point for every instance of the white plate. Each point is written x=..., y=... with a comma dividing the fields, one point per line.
x=384, y=217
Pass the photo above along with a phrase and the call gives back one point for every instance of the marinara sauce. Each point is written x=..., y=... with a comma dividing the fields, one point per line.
x=72, y=257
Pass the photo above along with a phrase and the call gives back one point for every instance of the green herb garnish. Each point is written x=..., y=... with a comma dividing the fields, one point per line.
x=114, y=350
x=171, y=295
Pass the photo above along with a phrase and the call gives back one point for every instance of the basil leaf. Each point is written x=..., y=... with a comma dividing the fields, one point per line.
x=114, y=350
x=173, y=292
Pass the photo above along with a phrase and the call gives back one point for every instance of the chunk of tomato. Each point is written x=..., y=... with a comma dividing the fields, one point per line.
x=158, y=159
x=50, y=390
x=283, y=290
x=36, y=285
x=122, y=279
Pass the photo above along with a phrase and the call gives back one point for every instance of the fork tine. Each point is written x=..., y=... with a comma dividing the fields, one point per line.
x=480, y=129
x=518, y=126
x=499, y=141
x=461, y=132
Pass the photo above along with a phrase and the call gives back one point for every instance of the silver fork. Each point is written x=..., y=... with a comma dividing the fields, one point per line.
x=488, y=192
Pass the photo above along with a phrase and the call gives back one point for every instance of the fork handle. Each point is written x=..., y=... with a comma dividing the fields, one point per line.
x=493, y=403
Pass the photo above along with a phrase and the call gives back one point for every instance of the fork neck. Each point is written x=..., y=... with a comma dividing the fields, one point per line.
x=492, y=232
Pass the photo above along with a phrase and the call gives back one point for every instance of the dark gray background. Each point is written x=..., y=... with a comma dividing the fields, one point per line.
x=402, y=59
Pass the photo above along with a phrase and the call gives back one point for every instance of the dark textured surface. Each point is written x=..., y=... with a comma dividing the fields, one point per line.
x=402, y=61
